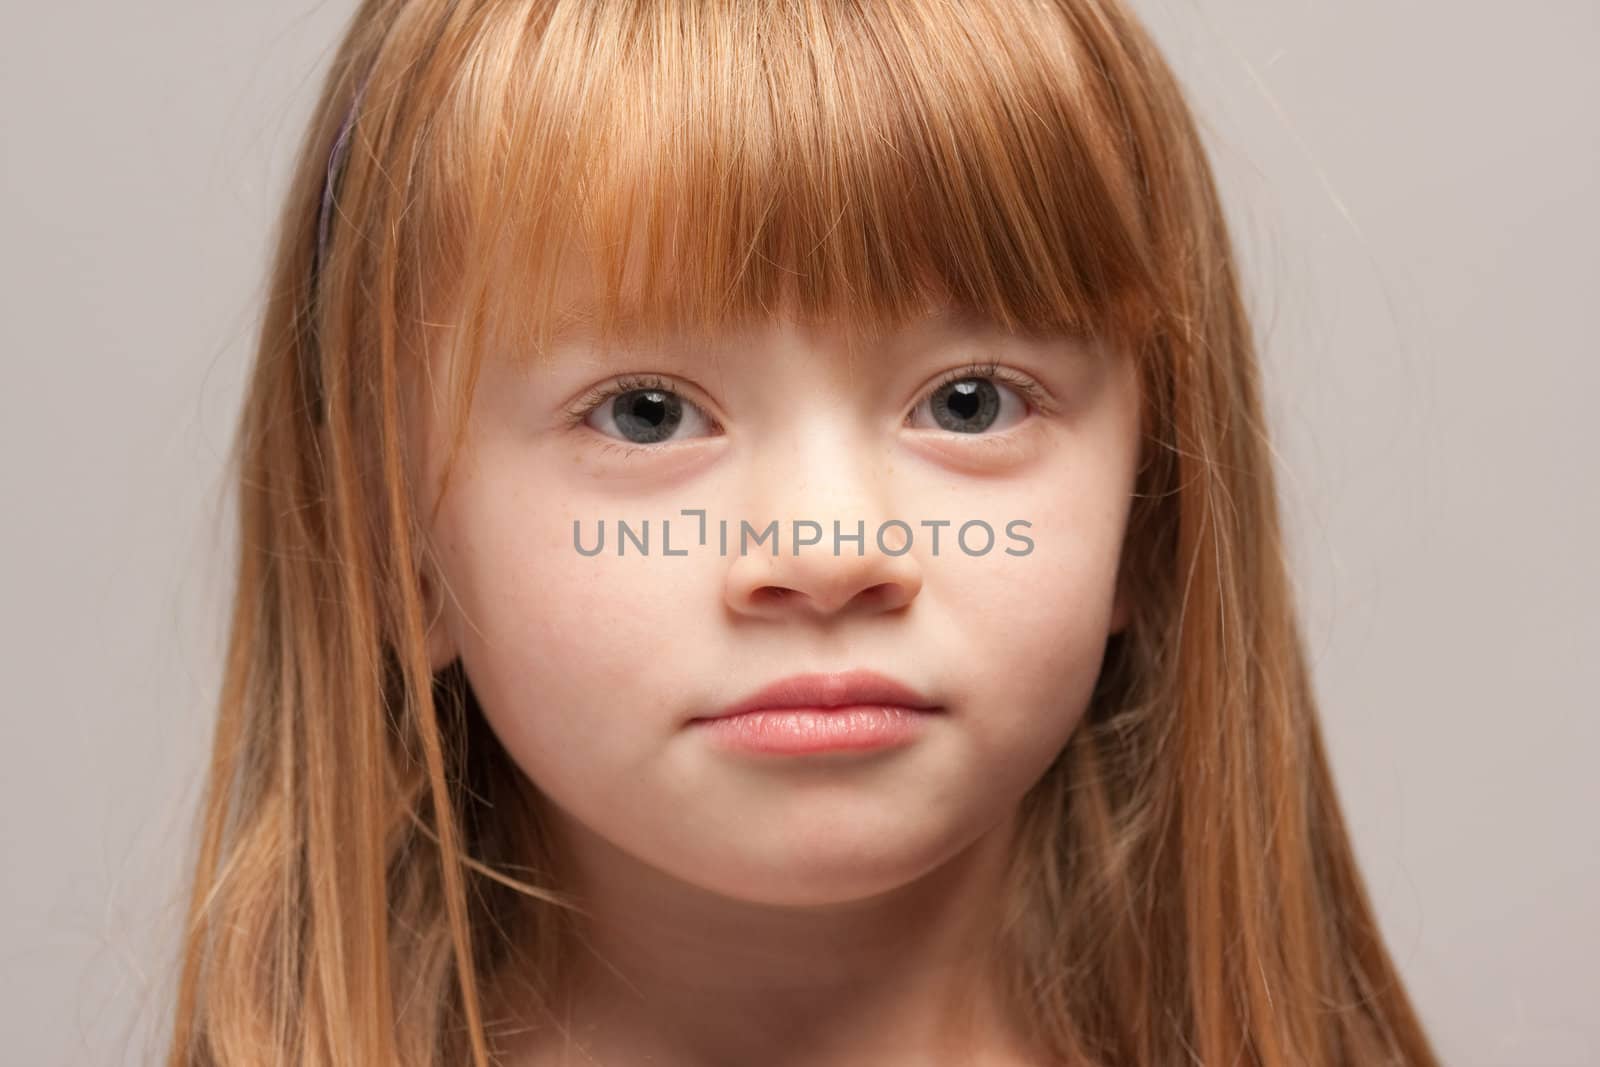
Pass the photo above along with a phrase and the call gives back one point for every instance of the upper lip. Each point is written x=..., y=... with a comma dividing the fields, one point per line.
x=831, y=690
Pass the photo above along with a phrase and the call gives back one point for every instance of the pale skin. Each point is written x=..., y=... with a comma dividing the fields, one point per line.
x=829, y=909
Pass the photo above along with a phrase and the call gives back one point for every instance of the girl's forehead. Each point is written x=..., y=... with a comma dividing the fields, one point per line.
x=574, y=334
x=578, y=297
x=569, y=291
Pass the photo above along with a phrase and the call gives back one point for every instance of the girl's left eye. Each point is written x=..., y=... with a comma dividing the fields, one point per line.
x=972, y=400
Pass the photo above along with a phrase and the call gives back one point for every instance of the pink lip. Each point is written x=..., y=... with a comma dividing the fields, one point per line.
x=851, y=711
x=844, y=689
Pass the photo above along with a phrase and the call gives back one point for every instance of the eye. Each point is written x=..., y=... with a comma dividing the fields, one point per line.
x=642, y=411
x=973, y=399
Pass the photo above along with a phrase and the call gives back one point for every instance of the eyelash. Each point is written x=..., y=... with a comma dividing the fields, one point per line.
x=1030, y=389
x=586, y=404
x=591, y=400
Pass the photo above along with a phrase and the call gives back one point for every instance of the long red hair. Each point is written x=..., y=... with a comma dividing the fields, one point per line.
x=1186, y=891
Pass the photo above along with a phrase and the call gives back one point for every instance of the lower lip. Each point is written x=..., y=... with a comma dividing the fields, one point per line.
x=806, y=731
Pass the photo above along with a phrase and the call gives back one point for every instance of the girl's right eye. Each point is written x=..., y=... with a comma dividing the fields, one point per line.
x=642, y=411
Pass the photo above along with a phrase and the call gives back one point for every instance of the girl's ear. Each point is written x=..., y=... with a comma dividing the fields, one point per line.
x=441, y=645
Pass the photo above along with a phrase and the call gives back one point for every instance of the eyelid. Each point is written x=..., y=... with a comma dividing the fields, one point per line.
x=586, y=404
x=1036, y=394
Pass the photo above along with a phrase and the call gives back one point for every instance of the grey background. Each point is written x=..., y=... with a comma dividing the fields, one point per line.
x=1413, y=188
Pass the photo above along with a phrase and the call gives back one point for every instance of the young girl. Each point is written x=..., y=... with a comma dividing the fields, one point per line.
x=759, y=546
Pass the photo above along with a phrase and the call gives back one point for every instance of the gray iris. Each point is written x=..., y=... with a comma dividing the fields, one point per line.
x=966, y=406
x=646, y=416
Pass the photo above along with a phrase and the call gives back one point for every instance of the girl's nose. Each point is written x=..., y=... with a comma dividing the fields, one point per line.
x=818, y=582
x=839, y=545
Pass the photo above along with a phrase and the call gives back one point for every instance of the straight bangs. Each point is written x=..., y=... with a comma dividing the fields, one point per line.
x=636, y=172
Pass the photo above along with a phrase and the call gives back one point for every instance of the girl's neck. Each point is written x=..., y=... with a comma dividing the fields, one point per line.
x=675, y=975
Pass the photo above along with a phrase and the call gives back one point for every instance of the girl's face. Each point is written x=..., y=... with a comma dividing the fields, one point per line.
x=589, y=668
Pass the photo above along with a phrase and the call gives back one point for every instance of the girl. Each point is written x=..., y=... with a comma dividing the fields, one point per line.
x=801, y=286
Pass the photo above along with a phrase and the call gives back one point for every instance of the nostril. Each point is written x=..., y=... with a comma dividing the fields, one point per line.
x=884, y=592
